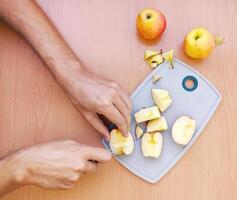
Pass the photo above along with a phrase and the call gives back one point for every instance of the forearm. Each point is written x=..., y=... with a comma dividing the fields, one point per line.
x=27, y=18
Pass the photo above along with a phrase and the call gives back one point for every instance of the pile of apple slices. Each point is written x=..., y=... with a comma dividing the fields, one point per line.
x=152, y=140
x=155, y=58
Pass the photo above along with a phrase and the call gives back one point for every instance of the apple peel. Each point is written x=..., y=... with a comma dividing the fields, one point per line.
x=150, y=53
x=139, y=132
x=168, y=56
x=156, y=78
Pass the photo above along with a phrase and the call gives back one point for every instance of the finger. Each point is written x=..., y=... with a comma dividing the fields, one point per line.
x=95, y=153
x=126, y=98
x=95, y=122
x=113, y=114
x=90, y=166
x=65, y=186
x=123, y=109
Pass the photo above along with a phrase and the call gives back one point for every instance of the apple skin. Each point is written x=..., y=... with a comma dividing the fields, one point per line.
x=150, y=23
x=199, y=43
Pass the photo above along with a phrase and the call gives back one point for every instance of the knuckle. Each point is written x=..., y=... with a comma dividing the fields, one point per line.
x=121, y=123
x=104, y=104
x=115, y=85
x=80, y=167
x=74, y=177
x=112, y=92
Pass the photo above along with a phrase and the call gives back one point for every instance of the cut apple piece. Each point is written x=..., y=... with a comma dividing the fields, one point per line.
x=155, y=61
x=120, y=144
x=152, y=144
x=150, y=53
x=219, y=40
x=139, y=131
x=156, y=78
x=183, y=130
x=146, y=114
x=161, y=98
x=159, y=124
x=168, y=56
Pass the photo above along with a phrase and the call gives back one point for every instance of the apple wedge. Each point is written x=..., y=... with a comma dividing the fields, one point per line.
x=161, y=98
x=150, y=53
x=152, y=144
x=159, y=124
x=183, y=130
x=139, y=131
x=119, y=144
x=155, y=61
x=146, y=114
x=168, y=56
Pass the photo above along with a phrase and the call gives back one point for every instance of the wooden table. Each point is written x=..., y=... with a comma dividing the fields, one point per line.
x=33, y=108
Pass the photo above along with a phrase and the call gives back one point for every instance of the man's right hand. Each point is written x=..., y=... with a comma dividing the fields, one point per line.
x=55, y=165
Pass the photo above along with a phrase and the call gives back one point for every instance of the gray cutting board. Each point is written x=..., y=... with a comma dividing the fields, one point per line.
x=200, y=104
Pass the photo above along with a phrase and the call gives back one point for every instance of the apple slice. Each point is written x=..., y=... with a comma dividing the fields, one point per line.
x=155, y=61
x=152, y=144
x=150, y=53
x=156, y=78
x=146, y=114
x=139, y=131
x=161, y=98
x=183, y=130
x=168, y=56
x=159, y=124
x=119, y=144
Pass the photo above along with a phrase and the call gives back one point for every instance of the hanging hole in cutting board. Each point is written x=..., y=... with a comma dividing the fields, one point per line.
x=190, y=83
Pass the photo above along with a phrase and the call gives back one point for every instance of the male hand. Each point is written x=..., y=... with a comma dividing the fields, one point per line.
x=55, y=165
x=94, y=94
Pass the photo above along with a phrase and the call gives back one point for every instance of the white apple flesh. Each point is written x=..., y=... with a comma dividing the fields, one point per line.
x=161, y=98
x=120, y=144
x=152, y=144
x=146, y=114
x=159, y=124
x=183, y=130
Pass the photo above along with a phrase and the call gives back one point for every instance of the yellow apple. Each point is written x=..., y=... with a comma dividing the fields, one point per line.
x=152, y=144
x=183, y=130
x=150, y=23
x=120, y=144
x=146, y=114
x=199, y=43
x=161, y=98
x=159, y=124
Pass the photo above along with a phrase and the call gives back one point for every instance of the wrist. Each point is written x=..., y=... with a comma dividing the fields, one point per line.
x=15, y=170
x=67, y=74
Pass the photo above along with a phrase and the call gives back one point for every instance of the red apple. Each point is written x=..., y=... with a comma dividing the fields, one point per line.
x=150, y=23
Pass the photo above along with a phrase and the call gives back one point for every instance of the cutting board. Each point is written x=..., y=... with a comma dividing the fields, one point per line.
x=198, y=102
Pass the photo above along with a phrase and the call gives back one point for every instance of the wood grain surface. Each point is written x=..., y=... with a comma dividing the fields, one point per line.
x=33, y=108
